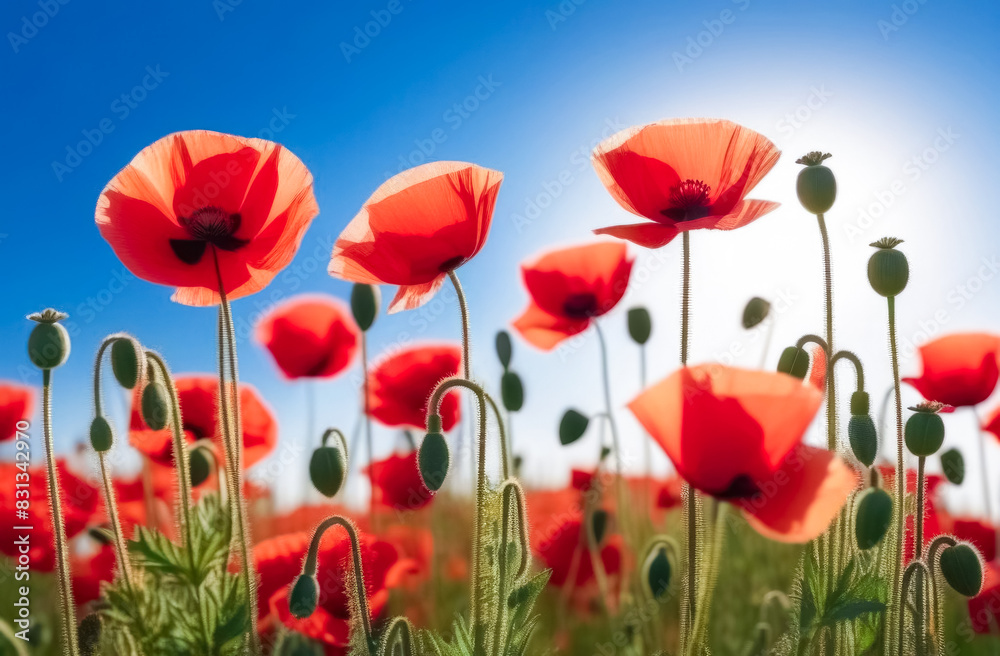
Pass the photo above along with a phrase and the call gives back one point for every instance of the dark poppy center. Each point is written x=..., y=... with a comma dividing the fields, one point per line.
x=688, y=201
x=208, y=225
x=741, y=487
x=452, y=264
x=580, y=306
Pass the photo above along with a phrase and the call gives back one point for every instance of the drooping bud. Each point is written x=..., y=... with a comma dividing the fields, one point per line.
x=504, y=348
x=816, y=185
x=888, y=270
x=755, y=312
x=572, y=426
x=155, y=406
x=924, y=431
x=304, y=596
x=962, y=568
x=125, y=362
x=511, y=391
x=365, y=301
x=599, y=520
x=48, y=343
x=953, y=465
x=794, y=361
x=640, y=325
x=861, y=431
x=101, y=435
x=327, y=470
x=656, y=572
x=860, y=403
x=873, y=517
x=198, y=465
x=433, y=457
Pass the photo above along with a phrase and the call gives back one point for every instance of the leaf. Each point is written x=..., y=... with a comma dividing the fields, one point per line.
x=851, y=609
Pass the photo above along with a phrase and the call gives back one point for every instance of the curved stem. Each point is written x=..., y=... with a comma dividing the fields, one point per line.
x=68, y=614
x=615, y=441
x=900, y=464
x=179, y=444
x=464, y=308
x=369, y=444
x=813, y=339
x=335, y=432
x=399, y=632
x=855, y=360
x=920, y=623
x=504, y=448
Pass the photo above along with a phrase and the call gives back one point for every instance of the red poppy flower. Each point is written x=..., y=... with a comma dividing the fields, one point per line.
x=400, y=386
x=279, y=562
x=310, y=337
x=416, y=227
x=736, y=434
x=398, y=484
x=557, y=546
x=933, y=516
x=984, y=608
x=89, y=571
x=959, y=369
x=79, y=503
x=669, y=496
x=16, y=404
x=569, y=288
x=684, y=174
x=198, y=396
x=980, y=533
x=195, y=198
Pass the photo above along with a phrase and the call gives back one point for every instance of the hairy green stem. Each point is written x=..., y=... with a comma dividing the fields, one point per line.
x=690, y=592
x=900, y=465
x=697, y=644
x=464, y=308
x=369, y=444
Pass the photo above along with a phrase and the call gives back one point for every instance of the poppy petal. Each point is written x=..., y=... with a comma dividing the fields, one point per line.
x=410, y=297
x=647, y=235
x=545, y=331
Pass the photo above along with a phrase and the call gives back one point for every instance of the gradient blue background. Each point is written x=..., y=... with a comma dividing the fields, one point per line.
x=874, y=82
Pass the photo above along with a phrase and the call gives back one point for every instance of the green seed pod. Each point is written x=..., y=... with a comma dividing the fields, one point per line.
x=640, y=325
x=365, y=302
x=101, y=435
x=511, y=391
x=816, y=185
x=953, y=465
x=155, y=406
x=433, y=459
x=888, y=270
x=48, y=343
x=572, y=426
x=327, y=470
x=962, y=568
x=755, y=312
x=657, y=572
x=873, y=518
x=794, y=361
x=924, y=433
x=599, y=520
x=198, y=466
x=89, y=634
x=304, y=596
x=125, y=363
x=863, y=437
x=504, y=348
x=860, y=403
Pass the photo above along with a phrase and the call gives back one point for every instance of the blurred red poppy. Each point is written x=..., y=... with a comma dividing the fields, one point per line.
x=556, y=548
x=17, y=402
x=736, y=434
x=400, y=385
x=984, y=608
x=398, y=484
x=959, y=370
x=197, y=200
x=669, y=496
x=279, y=562
x=569, y=288
x=90, y=570
x=416, y=228
x=310, y=336
x=980, y=533
x=198, y=395
x=934, y=517
x=80, y=501
x=684, y=174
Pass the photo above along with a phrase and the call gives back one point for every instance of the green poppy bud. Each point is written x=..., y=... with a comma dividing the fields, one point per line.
x=155, y=406
x=511, y=391
x=794, y=361
x=873, y=518
x=48, y=343
x=88, y=634
x=365, y=301
x=599, y=525
x=198, y=466
x=888, y=270
x=962, y=568
x=755, y=312
x=504, y=348
x=953, y=465
x=860, y=403
x=656, y=572
x=327, y=470
x=863, y=437
x=924, y=433
x=816, y=185
x=125, y=363
x=640, y=325
x=304, y=596
x=572, y=426
x=101, y=435
x=433, y=459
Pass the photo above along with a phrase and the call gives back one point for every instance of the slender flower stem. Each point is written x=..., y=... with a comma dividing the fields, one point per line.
x=511, y=495
x=689, y=601
x=464, y=308
x=918, y=544
x=504, y=447
x=985, y=474
x=685, y=295
x=900, y=465
x=700, y=622
x=919, y=569
x=647, y=444
x=369, y=448
x=831, y=388
x=68, y=614
x=181, y=461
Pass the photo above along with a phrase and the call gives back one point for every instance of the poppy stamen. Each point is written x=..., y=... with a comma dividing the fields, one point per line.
x=580, y=306
x=208, y=225
x=689, y=201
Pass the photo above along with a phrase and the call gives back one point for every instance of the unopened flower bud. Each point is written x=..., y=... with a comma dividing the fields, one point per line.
x=365, y=301
x=101, y=435
x=327, y=470
x=794, y=361
x=863, y=437
x=888, y=270
x=756, y=311
x=48, y=343
x=816, y=185
x=873, y=517
x=304, y=596
x=657, y=572
x=924, y=432
x=640, y=325
x=504, y=348
x=198, y=465
x=125, y=363
x=599, y=520
x=155, y=406
x=962, y=568
x=433, y=458
x=953, y=466
x=511, y=391
x=572, y=426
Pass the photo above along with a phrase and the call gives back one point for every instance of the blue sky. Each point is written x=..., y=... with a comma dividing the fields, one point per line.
x=903, y=93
